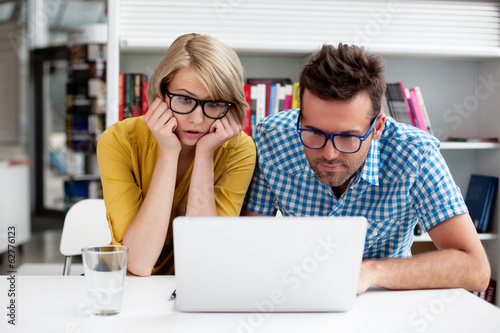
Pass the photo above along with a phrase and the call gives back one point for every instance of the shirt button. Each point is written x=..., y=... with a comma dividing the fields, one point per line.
x=375, y=233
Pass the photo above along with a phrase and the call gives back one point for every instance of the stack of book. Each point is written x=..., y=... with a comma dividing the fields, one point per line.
x=480, y=197
x=462, y=139
x=85, y=111
x=77, y=188
x=266, y=97
x=85, y=96
x=132, y=100
x=489, y=294
x=406, y=106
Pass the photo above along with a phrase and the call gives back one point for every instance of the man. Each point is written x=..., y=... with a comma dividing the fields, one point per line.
x=339, y=156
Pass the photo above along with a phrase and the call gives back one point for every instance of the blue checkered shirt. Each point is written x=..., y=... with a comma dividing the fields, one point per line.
x=404, y=180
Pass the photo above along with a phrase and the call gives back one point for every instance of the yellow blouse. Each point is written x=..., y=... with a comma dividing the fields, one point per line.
x=127, y=153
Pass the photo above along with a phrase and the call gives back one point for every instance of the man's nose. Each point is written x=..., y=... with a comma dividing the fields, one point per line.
x=329, y=151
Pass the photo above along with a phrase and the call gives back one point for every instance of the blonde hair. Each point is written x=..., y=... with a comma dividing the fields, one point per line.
x=215, y=64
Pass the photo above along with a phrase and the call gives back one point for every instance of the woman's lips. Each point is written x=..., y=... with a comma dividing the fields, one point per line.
x=193, y=134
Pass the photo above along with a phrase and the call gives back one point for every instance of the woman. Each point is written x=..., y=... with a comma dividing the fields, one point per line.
x=186, y=156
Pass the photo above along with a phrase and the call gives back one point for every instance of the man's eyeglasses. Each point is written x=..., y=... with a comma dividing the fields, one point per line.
x=184, y=104
x=345, y=143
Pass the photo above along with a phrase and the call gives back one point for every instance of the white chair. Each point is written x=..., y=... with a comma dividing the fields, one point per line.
x=85, y=225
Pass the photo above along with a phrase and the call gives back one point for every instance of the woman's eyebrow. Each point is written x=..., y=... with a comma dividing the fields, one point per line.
x=190, y=94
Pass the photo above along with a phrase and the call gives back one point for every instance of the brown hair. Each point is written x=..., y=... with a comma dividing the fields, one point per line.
x=215, y=64
x=343, y=72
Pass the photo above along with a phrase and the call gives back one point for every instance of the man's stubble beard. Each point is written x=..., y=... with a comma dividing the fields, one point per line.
x=334, y=179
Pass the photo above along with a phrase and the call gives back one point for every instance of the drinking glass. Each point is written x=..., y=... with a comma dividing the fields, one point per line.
x=105, y=268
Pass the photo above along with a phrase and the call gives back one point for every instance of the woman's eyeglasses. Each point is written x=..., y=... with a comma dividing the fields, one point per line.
x=184, y=104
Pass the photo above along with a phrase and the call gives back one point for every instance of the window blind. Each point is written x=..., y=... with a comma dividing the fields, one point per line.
x=454, y=28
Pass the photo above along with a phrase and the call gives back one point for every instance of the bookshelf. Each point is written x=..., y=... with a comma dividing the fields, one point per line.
x=469, y=145
x=484, y=237
x=451, y=49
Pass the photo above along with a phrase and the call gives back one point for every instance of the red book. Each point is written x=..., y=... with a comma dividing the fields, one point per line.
x=268, y=96
x=121, y=96
x=247, y=123
x=145, y=105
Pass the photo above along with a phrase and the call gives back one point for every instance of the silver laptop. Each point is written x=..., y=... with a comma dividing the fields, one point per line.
x=267, y=264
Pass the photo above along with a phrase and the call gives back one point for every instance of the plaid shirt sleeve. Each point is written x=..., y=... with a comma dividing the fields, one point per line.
x=436, y=195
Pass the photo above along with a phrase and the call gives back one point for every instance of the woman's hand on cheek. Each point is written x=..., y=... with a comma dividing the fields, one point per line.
x=162, y=124
x=220, y=131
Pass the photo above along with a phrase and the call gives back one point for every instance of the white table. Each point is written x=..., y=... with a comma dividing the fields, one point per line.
x=59, y=304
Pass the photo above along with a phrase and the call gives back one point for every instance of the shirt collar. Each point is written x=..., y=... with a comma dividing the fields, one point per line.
x=371, y=168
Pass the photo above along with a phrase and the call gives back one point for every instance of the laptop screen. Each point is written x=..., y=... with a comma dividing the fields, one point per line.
x=267, y=264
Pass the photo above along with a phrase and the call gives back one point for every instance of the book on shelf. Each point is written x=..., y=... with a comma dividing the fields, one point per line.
x=423, y=109
x=398, y=103
x=137, y=107
x=287, y=103
x=479, y=200
x=406, y=105
x=272, y=89
x=277, y=98
x=86, y=88
x=85, y=106
x=296, y=96
x=268, y=81
x=464, y=139
x=271, y=99
x=280, y=101
x=418, y=117
x=253, y=109
x=83, y=131
x=267, y=99
x=145, y=105
x=247, y=121
x=384, y=107
x=268, y=96
x=261, y=98
x=489, y=295
x=79, y=188
x=132, y=99
x=127, y=98
x=121, y=96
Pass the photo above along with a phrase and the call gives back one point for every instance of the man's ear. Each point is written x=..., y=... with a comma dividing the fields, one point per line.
x=379, y=126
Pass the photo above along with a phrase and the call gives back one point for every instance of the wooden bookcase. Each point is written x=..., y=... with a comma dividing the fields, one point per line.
x=448, y=48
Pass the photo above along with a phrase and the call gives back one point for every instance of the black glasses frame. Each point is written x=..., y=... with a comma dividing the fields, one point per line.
x=197, y=102
x=331, y=136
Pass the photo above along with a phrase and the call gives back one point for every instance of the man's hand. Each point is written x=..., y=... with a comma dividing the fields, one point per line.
x=365, y=277
x=459, y=262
